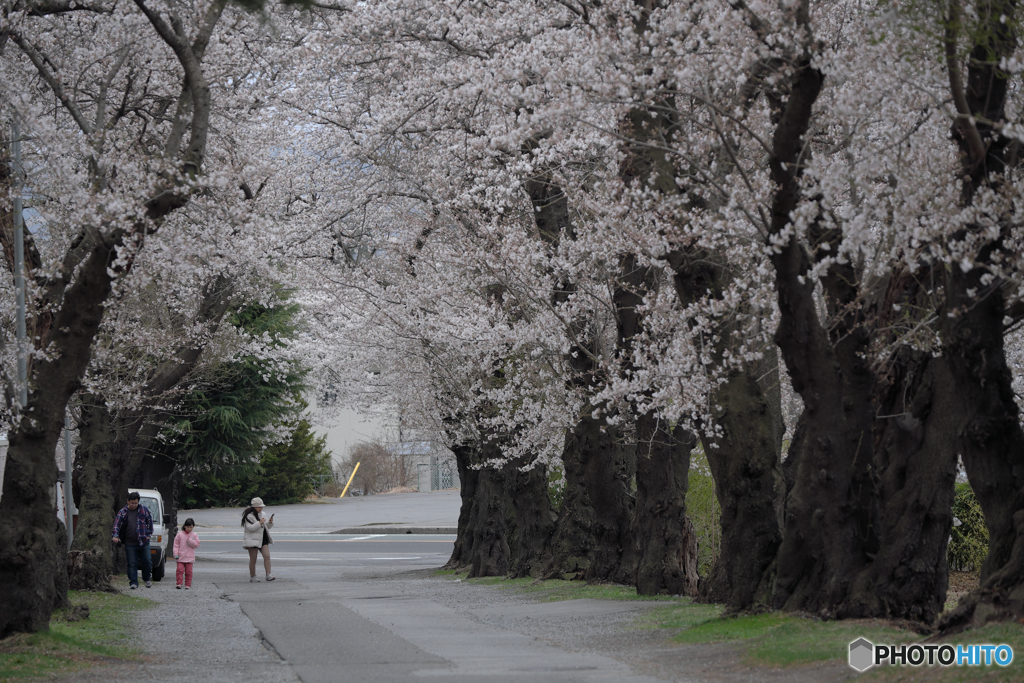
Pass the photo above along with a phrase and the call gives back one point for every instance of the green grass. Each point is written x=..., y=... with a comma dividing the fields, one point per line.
x=778, y=640
x=450, y=574
x=554, y=590
x=685, y=615
x=775, y=640
x=1010, y=634
x=804, y=641
x=70, y=646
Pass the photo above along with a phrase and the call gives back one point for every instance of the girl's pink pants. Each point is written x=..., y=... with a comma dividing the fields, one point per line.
x=184, y=569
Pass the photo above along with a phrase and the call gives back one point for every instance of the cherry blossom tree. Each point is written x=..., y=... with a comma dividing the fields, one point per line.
x=123, y=105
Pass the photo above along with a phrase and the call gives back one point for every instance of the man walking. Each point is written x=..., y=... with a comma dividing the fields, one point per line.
x=133, y=526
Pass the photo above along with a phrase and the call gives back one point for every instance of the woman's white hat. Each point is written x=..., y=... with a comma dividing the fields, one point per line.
x=256, y=503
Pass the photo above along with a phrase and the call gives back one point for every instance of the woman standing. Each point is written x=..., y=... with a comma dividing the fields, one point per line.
x=257, y=537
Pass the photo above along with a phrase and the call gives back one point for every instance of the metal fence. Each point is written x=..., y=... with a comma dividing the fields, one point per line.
x=437, y=475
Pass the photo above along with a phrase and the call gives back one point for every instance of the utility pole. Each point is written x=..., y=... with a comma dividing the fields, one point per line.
x=19, y=262
x=17, y=184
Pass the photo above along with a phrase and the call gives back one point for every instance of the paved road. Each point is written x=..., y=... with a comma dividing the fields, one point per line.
x=364, y=607
x=434, y=511
x=368, y=608
x=289, y=552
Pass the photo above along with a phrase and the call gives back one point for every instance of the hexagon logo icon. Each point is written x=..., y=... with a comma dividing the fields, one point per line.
x=862, y=654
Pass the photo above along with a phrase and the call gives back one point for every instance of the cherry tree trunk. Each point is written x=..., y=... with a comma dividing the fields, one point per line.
x=109, y=463
x=482, y=544
x=992, y=442
x=593, y=524
x=867, y=514
x=660, y=557
x=828, y=533
x=98, y=474
x=915, y=461
x=468, y=478
x=29, y=586
x=31, y=549
x=532, y=518
x=993, y=453
x=745, y=466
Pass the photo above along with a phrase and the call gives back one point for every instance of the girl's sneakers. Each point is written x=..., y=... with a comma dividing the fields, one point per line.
x=188, y=587
x=253, y=579
x=270, y=577
x=178, y=586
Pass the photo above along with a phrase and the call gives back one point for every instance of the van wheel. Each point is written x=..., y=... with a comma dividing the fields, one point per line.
x=158, y=571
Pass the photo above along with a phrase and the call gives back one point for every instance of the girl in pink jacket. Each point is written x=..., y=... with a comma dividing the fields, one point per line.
x=185, y=544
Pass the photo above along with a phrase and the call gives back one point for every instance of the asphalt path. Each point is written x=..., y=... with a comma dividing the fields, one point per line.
x=368, y=607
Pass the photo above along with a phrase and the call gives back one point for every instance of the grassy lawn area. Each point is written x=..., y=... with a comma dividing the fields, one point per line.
x=69, y=646
x=554, y=590
x=776, y=640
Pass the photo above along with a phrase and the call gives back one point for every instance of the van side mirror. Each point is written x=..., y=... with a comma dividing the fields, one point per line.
x=167, y=519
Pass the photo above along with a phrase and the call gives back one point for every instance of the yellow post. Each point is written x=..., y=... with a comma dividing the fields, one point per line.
x=356, y=469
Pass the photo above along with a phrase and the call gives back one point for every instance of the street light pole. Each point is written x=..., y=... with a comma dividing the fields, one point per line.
x=19, y=289
x=19, y=263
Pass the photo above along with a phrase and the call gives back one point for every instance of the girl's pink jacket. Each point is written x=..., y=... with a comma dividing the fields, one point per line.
x=185, y=546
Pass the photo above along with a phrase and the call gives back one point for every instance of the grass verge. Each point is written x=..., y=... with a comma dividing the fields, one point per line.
x=553, y=590
x=775, y=640
x=69, y=646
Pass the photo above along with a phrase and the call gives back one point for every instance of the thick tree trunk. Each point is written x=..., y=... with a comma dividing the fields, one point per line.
x=915, y=458
x=867, y=515
x=828, y=532
x=993, y=451
x=532, y=518
x=661, y=554
x=482, y=544
x=27, y=549
x=490, y=554
x=98, y=474
x=992, y=441
x=593, y=525
x=743, y=451
x=660, y=551
x=745, y=466
x=468, y=479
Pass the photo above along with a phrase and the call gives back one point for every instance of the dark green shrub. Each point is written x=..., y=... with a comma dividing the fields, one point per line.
x=968, y=543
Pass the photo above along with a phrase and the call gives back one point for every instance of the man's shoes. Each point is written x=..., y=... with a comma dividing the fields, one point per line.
x=253, y=579
x=133, y=586
x=270, y=577
x=149, y=584
x=178, y=586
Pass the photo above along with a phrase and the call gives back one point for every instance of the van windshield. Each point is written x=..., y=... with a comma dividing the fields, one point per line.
x=153, y=506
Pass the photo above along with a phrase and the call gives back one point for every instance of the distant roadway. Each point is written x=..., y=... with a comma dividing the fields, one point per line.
x=221, y=552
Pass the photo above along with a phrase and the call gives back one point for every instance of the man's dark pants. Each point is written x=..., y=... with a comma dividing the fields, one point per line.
x=134, y=553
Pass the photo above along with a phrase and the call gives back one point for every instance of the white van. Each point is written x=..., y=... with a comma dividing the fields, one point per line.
x=161, y=541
